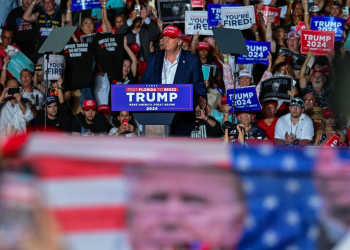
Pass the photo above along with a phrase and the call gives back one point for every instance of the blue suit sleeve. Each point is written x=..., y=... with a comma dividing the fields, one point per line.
x=148, y=75
x=198, y=80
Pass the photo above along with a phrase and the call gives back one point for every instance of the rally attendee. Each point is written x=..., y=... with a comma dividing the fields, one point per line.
x=252, y=131
x=329, y=128
x=177, y=66
x=206, y=126
x=5, y=8
x=165, y=199
x=24, y=33
x=106, y=111
x=294, y=128
x=125, y=125
x=35, y=97
x=136, y=33
x=133, y=68
x=309, y=103
x=7, y=44
x=186, y=45
x=13, y=112
x=317, y=119
x=46, y=20
x=336, y=9
x=293, y=42
x=54, y=118
x=293, y=17
x=276, y=37
x=316, y=87
x=118, y=21
x=89, y=122
x=269, y=123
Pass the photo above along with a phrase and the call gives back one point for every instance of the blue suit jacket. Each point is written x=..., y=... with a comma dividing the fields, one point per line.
x=189, y=70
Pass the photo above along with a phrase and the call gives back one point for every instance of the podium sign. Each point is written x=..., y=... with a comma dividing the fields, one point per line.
x=152, y=97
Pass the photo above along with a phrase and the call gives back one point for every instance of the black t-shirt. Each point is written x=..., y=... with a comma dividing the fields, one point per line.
x=130, y=79
x=98, y=126
x=61, y=122
x=109, y=49
x=79, y=61
x=204, y=130
x=24, y=33
x=44, y=27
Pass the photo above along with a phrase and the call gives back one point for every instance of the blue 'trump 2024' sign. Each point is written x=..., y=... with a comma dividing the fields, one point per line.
x=246, y=99
x=152, y=97
x=328, y=23
x=85, y=4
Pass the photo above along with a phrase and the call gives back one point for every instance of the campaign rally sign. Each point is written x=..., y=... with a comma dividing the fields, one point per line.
x=327, y=23
x=320, y=42
x=296, y=60
x=19, y=62
x=154, y=97
x=197, y=3
x=238, y=17
x=276, y=88
x=57, y=66
x=246, y=99
x=300, y=26
x=173, y=11
x=197, y=21
x=334, y=141
x=268, y=11
x=258, y=51
x=214, y=12
x=85, y=4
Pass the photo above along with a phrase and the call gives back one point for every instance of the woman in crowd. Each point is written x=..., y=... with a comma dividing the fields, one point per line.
x=329, y=128
x=317, y=119
x=268, y=124
x=252, y=131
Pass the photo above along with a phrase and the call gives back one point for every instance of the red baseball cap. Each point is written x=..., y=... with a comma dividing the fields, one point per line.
x=172, y=32
x=104, y=109
x=328, y=113
x=186, y=41
x=223, y=100
x=89, y=104
x=134, y=47
x=297, y=3
x=319, y=70
x=203, y=45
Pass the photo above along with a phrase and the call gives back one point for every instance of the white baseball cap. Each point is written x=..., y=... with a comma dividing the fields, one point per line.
x=245, y=72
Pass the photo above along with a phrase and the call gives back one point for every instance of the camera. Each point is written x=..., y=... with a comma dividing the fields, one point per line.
x=13, y=91
x=232, y=128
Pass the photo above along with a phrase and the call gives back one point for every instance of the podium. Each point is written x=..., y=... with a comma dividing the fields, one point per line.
x=153, y=106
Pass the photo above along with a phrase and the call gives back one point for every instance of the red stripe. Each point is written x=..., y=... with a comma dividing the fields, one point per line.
x=83, y=219
x=57, y=167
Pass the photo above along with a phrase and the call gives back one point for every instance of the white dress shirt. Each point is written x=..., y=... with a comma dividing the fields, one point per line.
x=169, y=69
x=304, y=129
x=12, y=115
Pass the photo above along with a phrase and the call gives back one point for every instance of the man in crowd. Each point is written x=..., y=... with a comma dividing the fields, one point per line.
x=293, y=42
x=14, y=112
x=6, y=41
x=35, y=97
x=177, y=66
x=180, y=215
x=309, y=102
x=24, y=33
x=294, y=128
x=89, y=122
x=54, y=118
x=125, y=125
x=336, y=9
x=316, y=86
x=206, y=126
x=136, y=33
x=46, y=20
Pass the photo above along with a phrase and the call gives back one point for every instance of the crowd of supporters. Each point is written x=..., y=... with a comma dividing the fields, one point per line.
x=79, y=102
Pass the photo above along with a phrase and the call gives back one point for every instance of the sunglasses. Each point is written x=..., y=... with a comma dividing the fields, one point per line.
x=297, y=102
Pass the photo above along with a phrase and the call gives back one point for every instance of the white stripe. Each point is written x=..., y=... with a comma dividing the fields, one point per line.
x=106, y=240
x=77, y=192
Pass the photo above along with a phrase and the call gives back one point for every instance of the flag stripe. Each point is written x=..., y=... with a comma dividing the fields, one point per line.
x=88, y=218
x=78, y=192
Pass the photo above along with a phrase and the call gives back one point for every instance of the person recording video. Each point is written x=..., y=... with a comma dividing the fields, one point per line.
x=14, y=112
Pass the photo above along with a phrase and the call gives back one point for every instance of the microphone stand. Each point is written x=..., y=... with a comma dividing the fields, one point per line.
x=156, y=50
x=47, y=57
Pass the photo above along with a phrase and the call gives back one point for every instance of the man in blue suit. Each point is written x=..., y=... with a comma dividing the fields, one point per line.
x=176, y=66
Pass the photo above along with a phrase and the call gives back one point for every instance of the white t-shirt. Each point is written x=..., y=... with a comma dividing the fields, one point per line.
x=304, y=129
